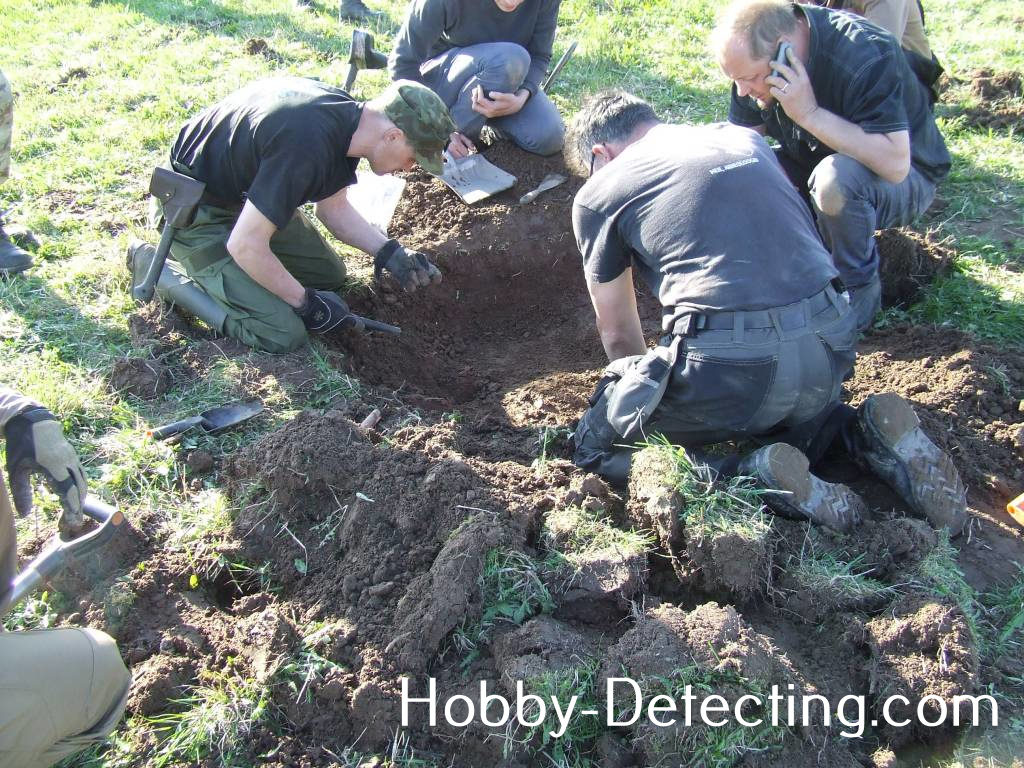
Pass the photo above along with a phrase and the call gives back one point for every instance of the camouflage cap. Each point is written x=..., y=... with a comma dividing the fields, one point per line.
x=423, y=118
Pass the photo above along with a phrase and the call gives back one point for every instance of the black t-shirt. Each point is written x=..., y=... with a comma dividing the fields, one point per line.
x=280, y=143
x=860, y=73
x=707, y=217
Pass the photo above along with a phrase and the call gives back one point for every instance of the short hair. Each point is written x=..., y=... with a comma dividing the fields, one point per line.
x=759, y=23
x=606, y=116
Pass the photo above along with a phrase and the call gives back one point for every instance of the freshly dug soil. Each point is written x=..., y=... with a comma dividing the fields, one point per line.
x=992, y=86
x=374, y=541
x=908, y=262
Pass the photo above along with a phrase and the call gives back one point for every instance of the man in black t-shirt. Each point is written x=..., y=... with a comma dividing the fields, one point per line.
x=758, y=341
x=264, y=151
x=854, y=123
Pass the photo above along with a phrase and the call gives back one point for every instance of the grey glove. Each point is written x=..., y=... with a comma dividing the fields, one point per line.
x=410, y=268
x=35, y=443
x=323, y=311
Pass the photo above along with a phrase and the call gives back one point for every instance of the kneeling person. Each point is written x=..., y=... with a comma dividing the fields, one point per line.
x=267, y=149
x=758, y=340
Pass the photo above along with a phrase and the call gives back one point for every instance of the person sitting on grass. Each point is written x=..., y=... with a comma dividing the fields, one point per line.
x=758, y=338
x=486, y=60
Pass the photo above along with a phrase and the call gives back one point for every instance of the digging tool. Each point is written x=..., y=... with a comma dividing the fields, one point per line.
x=550, y=181
x=558, y=67
x=361, y=55
x=56, y=553
x=474, y=178
x=211, y=421
x=179, y=196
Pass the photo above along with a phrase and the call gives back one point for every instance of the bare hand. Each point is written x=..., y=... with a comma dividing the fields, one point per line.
x=459, y=145
x=792, y=88
x=497, y=103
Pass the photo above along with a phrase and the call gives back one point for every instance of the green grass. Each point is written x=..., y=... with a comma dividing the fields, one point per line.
x=575, y=748
x=574, y=537
x=512, y=591
x=712, y=506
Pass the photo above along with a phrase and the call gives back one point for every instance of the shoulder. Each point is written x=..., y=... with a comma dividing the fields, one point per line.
x=850, y=45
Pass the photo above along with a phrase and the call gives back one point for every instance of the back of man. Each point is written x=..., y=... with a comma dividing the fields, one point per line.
x=686, y=206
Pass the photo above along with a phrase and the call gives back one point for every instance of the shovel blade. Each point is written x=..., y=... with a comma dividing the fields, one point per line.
x=474, y=178
x=227, y=416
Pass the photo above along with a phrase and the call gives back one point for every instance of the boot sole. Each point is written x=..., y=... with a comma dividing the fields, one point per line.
x=786, y=469
x=912, y=464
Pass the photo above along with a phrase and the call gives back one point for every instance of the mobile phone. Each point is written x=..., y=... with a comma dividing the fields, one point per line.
x=781, y=57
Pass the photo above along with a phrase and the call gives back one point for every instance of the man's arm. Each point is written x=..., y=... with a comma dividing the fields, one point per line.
x=540, y=46
x=422, y=28
x=618, y=321
x=887, y=154
x=348, y=225
x=249, y=246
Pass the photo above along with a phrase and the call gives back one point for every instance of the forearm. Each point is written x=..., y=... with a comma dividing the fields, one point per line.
x=265, y=268
x=11, y=404
x=348, y=225
x=876, y=151
x=624, y=345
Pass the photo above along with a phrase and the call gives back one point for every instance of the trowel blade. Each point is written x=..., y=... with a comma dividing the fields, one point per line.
x=227, y=416
x=474, y=178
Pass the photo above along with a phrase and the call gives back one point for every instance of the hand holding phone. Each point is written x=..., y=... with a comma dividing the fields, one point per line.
x=790, y=85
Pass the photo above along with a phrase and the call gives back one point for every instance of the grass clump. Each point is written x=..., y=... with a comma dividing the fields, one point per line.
x=511, y=591
x=939, y=575
x=216, y=721
x=822, y=569
x=575, y=536
x=701, y=745
x=575, y=747
x=309, y=667
x=713, y=505
x=35, y=612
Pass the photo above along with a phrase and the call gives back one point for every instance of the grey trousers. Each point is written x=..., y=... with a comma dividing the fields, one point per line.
x=851, y=202
x=453, y=75
x=779, y=384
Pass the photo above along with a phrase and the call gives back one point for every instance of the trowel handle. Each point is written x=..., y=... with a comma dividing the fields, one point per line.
x=377, y=325
x=56, y=553
x=175, y=428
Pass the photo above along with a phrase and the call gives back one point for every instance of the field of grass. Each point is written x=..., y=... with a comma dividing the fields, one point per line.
x=102, y=87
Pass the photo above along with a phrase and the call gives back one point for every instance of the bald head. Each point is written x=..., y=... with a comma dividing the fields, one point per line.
x=755, y=26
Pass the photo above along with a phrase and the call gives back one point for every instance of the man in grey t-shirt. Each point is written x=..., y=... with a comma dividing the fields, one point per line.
x=758, y=340
x=486, y=60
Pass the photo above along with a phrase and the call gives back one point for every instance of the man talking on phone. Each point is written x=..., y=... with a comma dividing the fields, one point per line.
x=856, y=134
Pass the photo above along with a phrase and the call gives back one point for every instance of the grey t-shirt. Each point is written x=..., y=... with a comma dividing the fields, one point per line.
x=434, y=26
x=707, y=217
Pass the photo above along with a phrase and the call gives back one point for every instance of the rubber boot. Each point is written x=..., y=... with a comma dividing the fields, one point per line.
x=175, y=287
x=797, y=493
x=892, y=444
x=356, y=10
x=12, y=258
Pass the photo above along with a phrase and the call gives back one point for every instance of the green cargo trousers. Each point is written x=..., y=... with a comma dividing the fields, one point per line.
x=255, y=316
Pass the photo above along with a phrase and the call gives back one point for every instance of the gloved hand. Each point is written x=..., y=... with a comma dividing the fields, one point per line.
x=410, y=268
x=323, y=311
x=35, y=443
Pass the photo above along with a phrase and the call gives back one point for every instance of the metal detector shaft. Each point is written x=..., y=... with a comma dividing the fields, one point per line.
x=377, y=325
x=56, y=553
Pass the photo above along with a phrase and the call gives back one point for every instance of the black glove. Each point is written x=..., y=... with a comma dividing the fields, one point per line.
x=411, y=269
x=323, y=311
x=35, y=443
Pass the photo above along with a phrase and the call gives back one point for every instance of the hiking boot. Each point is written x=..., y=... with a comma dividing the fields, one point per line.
x=12, y=258
x=893, y=445
x=356, y=10
x=781, y=467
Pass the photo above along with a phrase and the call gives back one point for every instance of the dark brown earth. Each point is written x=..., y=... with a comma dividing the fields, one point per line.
x=999, y=104
x=368, y=545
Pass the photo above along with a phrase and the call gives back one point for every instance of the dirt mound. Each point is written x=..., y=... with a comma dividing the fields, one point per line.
x=967, y=395
x=991, y=86
x=140, y=377
x=909, y=261
x=924, y=648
